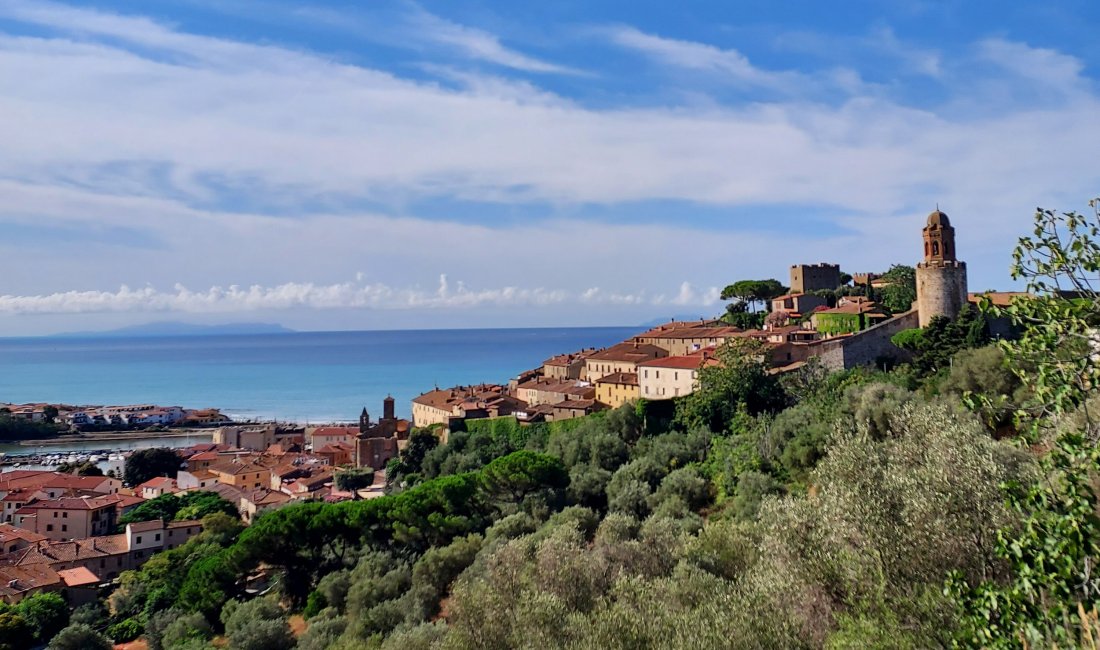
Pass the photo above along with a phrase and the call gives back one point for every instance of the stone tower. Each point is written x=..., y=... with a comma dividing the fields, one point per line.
x=941, y=277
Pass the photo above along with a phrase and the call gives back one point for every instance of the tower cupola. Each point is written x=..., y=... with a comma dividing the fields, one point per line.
x=939, y=238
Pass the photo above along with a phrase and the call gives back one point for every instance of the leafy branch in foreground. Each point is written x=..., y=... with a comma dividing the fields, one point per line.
x=1051, y=559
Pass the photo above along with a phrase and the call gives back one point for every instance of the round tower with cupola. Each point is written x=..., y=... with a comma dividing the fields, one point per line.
x=941, y=277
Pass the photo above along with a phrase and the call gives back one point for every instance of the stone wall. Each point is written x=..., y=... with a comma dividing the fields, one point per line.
x=941, y=289
x=867, y=347
x=811, y=277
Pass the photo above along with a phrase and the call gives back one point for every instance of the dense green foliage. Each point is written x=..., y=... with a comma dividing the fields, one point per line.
x=753, y=293
x=833, y=324
x=145, y=464
x=1049, y=596
x=87, y=468
x=179, y=507
x=33, y=621
x=350, y=479
x=12, y=429
x=934, y=346
x=901, y=291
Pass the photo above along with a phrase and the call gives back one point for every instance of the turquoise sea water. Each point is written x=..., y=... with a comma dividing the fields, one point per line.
x=301, y=376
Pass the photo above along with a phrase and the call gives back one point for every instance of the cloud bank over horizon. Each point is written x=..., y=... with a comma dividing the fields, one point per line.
x=577, y=161
x=236, y=299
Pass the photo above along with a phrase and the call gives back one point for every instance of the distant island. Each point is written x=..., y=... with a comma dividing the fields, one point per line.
x=183, y=329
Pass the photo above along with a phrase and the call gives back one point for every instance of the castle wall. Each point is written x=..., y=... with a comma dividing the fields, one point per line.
x=941, y=289
x=867, y=347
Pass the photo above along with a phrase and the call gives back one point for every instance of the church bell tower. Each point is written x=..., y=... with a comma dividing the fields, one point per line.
x=941, y=277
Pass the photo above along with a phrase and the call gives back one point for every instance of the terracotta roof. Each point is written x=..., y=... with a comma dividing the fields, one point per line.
x=620, y=378
x=18, y=495
x=630, y=352
x=445, y=398
x=568, y=386
x=8, y=532
x=78, y=577
x=998, y=298
x=201, y=474
x=75, y=482
x=853, y=308
x=146, y=526
x=336, y=431
x=688, y=331
x=228, y=492
x=688, y=362
x=265, y=497
x=575, y=404
x=69, y=503
x=159, y=483
x=205, y=455
x=566, y=359
x=185, y=523
x=236, y=467
x=16, y=580
x=124, y=500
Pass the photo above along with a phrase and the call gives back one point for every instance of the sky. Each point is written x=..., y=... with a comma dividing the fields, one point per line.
x=477, y=163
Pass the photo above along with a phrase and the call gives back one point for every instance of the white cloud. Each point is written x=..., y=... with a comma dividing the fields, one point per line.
x=688, y=295
x=479, y=44
x=1042, y=67
x=119, y=122
x=308, y=295
x=701, y=56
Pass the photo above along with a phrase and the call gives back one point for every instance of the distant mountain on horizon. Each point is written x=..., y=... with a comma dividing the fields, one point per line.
x=183, y=329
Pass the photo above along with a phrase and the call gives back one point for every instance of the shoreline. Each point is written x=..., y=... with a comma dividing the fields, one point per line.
x=108, y=436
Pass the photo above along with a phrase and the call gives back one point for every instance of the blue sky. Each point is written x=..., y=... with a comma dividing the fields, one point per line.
x=469, y=163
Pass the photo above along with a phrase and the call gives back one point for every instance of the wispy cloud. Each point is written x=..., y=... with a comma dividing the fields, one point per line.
x=700, y=56
x=308, y=295
x=1041, y=67
x=478, y=44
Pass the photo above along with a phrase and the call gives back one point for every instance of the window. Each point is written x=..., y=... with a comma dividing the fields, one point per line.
x=676, y=376
x=935, y=248
x=64, y=528
x=65, y=515
x=49, y=528
x=139, y=539
x=157, y=538
x=55, y=514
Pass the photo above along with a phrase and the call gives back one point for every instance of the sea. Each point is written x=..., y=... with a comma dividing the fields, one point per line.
x=302, y=377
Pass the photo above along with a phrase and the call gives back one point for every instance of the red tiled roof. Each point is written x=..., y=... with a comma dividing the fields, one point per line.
x=575, y=404
x=630, y=352
x=336, y=431
x=69, y=503
x=159, y=482
x=689, y=362
x=78, y=577
x=9, y=532
x=146, y=526
x=620, y=378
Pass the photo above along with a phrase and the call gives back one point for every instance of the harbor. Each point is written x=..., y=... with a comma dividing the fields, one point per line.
x=107, y=452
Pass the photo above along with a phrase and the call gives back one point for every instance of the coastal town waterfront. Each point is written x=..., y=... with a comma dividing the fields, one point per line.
x=302, y=377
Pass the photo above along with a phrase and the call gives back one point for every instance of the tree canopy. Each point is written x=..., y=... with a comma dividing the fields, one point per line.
x=753, y=292
x=145, y=464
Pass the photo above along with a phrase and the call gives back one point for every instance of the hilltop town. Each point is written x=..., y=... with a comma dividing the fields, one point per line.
x=76, y=534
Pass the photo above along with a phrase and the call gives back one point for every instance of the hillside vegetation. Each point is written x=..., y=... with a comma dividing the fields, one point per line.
x=947, y=502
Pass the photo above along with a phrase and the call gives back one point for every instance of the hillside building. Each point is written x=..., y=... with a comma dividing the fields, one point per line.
x=814, y=277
